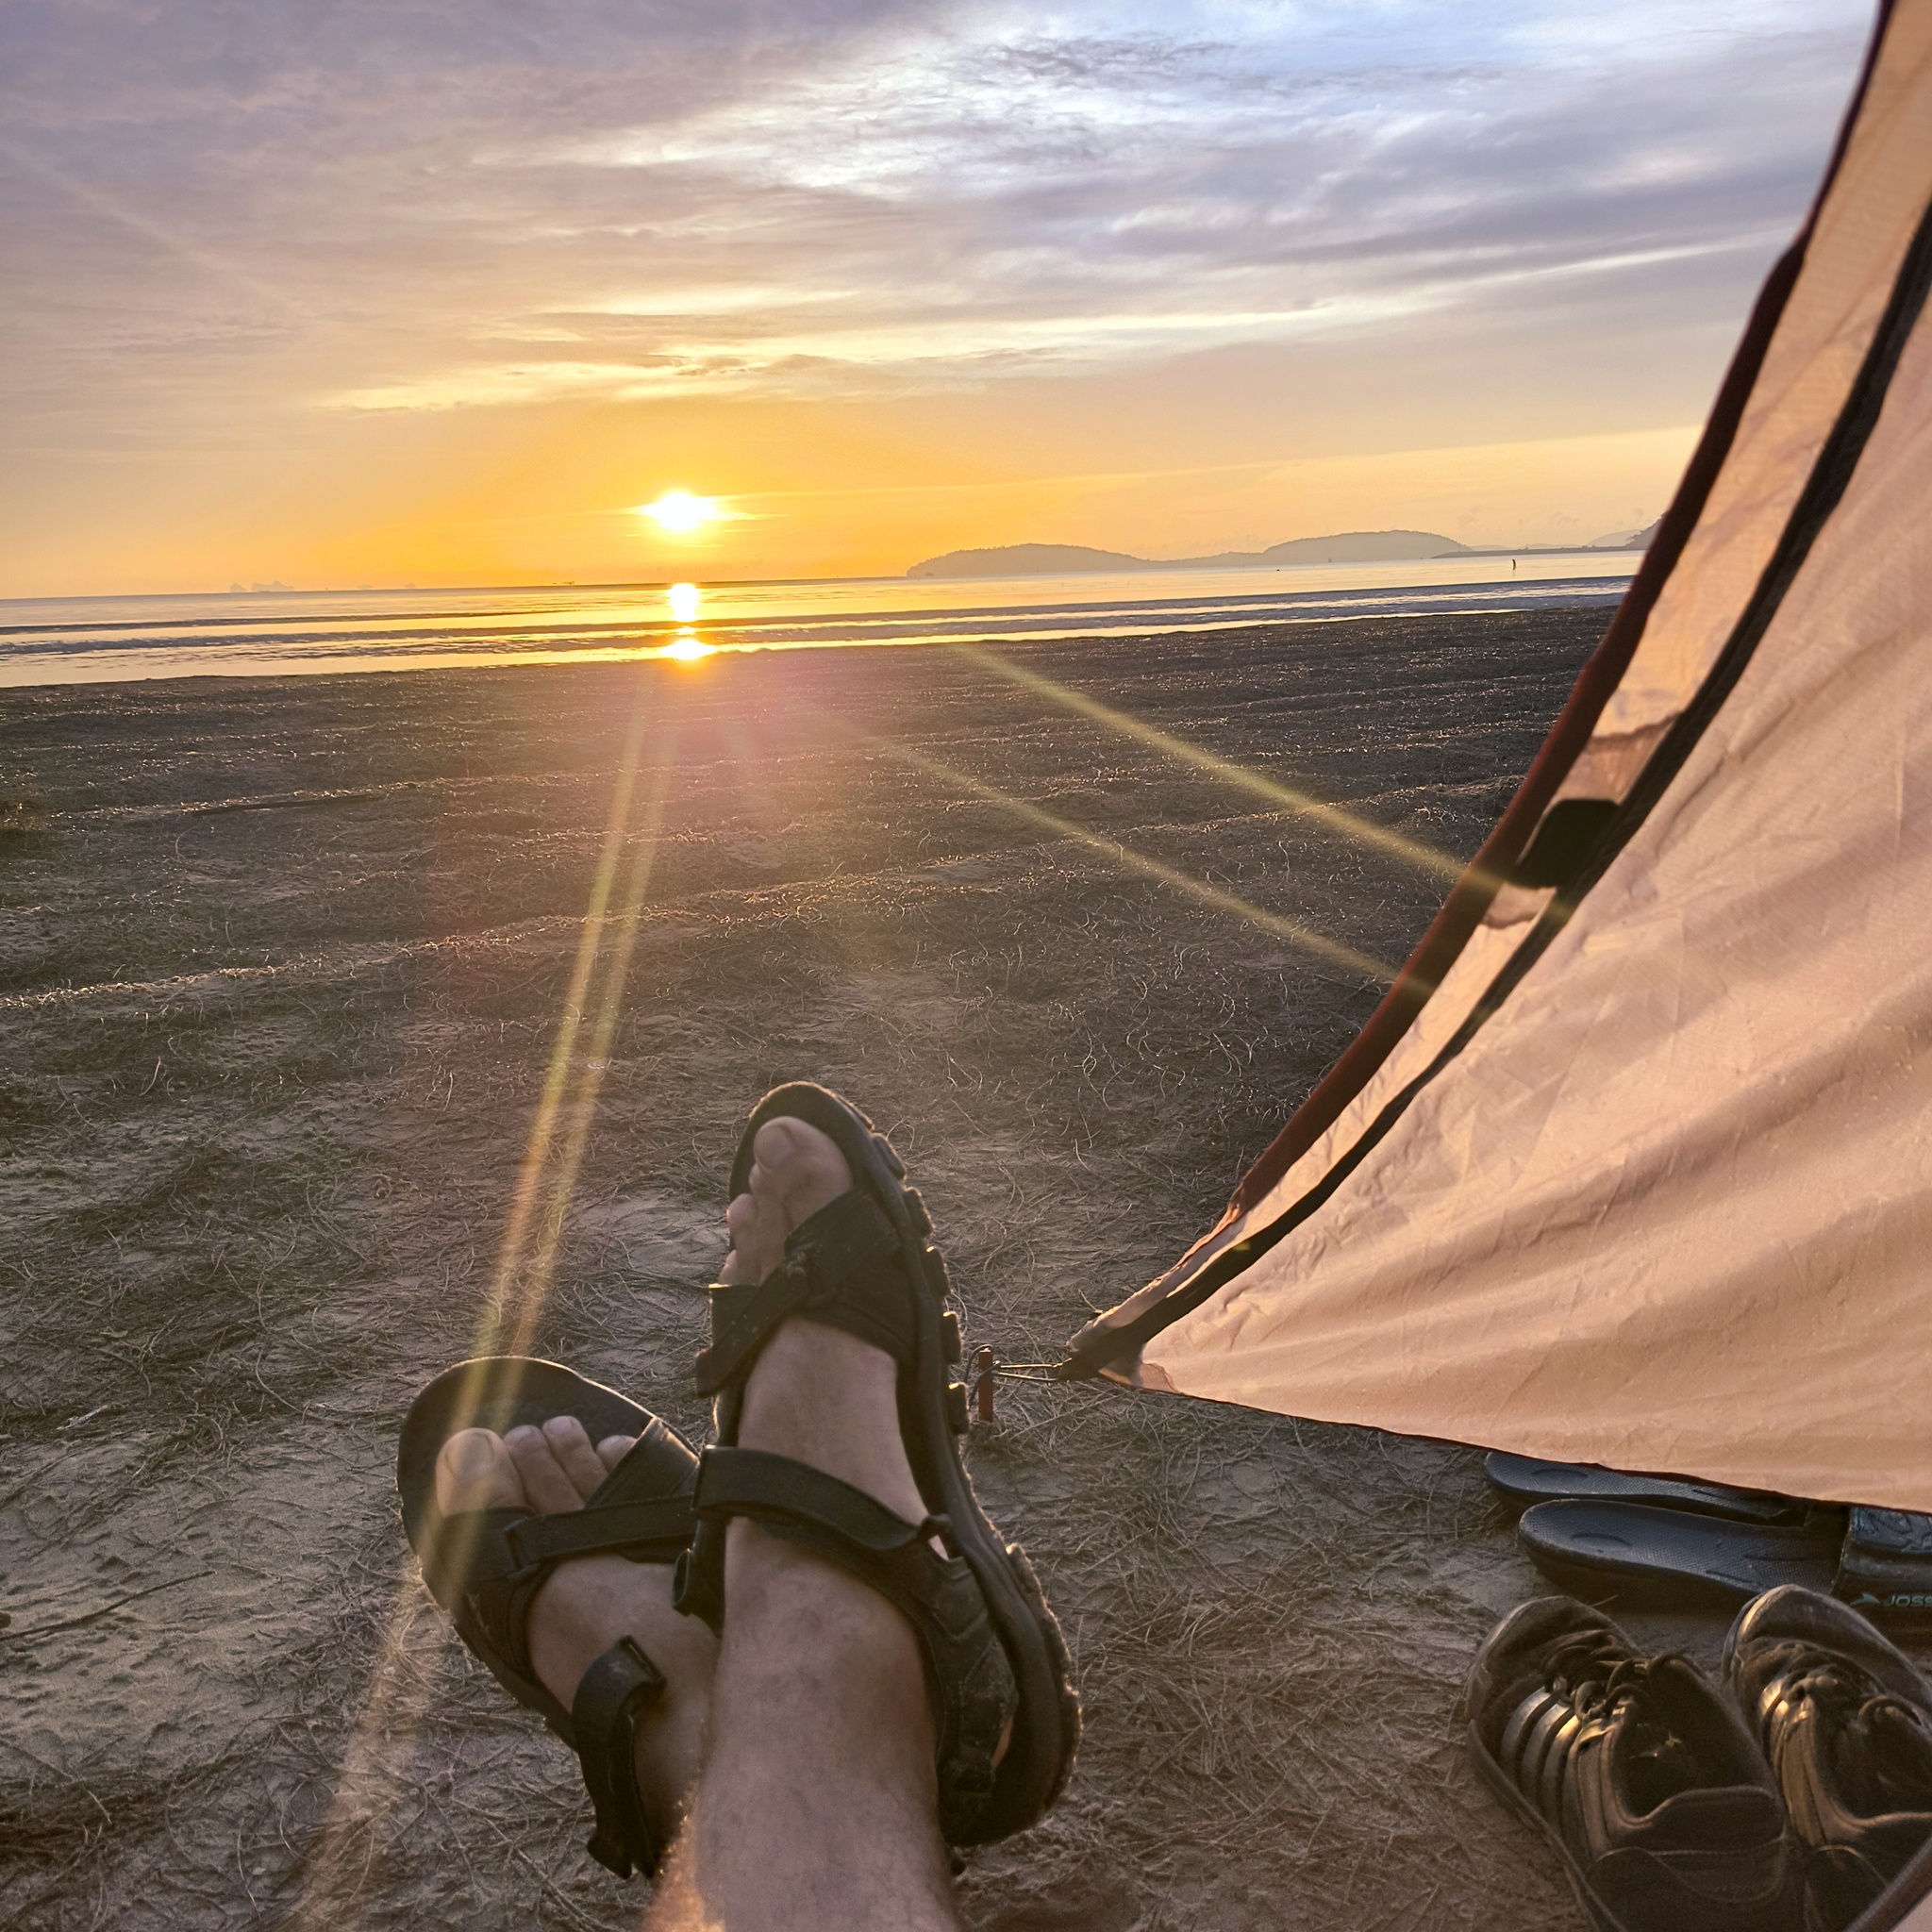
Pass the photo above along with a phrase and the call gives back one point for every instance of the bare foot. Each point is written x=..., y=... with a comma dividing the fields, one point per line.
x=585, y=1605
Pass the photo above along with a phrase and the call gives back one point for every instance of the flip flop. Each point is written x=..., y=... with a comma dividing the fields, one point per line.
x=485, y=1566
x=1526, y=1481
x=992, y=1652
x=1885, y=1566
x=1641, y=1554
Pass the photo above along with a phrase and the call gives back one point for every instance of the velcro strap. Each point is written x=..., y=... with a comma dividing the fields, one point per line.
x=471, y=1549
x=603, y=1527
x=846, y=1238
x=830, y=1259
x=775, y=1490
x=613, y=1696
x=743, y=1315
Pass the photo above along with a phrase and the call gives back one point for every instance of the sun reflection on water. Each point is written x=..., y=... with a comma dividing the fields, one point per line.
x=687, y=647
x=684, y=600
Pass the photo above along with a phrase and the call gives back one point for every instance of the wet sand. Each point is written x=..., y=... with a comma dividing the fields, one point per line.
x=284, y=966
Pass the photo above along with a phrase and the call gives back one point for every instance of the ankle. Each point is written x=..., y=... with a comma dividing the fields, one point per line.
x=819, y=1648
x=825, y=1398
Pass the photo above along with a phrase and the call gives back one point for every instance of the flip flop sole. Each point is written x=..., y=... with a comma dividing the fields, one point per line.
x=1040, y=1759
x=1638, y=1554
x=1526, y=1481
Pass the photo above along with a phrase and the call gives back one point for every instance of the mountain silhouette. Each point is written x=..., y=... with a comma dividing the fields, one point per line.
x=1055, y=560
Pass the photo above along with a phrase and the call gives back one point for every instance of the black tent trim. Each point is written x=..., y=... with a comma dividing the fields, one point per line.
x=1831, y=472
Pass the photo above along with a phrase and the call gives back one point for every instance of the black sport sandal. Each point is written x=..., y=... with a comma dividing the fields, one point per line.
x=485, y=1566
x=1637, y=1771
x=1846, y=1722
x=992, y=1652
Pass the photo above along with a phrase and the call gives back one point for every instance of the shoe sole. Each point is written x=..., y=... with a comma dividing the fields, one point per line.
x=1638, y=1554
x=1526, y=1481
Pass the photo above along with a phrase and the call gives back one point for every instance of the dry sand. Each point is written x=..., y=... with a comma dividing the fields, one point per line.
x=284, y=964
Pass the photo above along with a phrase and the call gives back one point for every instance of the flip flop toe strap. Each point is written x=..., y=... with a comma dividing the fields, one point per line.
x=474, y=1572
x=490, y=1562
x=660, y=1526
x=970, y=1681
x=842, y=1267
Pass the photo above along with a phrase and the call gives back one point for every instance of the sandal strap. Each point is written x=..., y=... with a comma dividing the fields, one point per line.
x=968, y=1679
x=777, y=1491
x=486, y=1566
x=842, y=1267
x=611, y=1701
x=614, y=1528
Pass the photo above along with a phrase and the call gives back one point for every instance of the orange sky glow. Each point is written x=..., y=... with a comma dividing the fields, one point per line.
x=354, y=299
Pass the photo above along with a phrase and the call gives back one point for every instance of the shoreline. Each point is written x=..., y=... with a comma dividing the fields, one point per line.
x=682, y=646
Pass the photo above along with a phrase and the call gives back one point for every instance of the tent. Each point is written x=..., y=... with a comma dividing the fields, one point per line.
x=1632, y=1165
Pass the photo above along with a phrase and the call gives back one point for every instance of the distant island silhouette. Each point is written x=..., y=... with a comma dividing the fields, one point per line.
x=1347, y=546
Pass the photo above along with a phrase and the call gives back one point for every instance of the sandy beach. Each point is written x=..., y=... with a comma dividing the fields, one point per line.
x=284, y=965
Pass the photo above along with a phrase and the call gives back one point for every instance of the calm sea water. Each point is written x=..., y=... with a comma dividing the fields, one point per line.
x=97, y=640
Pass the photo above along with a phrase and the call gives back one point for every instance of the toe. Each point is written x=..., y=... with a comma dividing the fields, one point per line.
x=546, y=1482
x=613, y=1449
x=797, y=1168
x=758, y=1240
x=475, y=1471
x=571, y=1444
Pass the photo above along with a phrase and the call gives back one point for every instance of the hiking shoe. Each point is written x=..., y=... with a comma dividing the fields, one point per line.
x=1637, y=1770
x=1846, y=1723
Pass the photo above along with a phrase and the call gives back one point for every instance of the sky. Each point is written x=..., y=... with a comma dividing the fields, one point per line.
x=337, y=292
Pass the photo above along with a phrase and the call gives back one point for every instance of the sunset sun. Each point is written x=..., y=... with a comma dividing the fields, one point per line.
x=680, y=512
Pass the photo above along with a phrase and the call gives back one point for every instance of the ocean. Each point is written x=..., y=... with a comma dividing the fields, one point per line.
x=291, y=633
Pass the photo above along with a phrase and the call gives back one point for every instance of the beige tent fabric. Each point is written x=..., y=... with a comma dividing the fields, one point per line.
x=1864, y=226
x=1672, y=1207
x=1863, y=230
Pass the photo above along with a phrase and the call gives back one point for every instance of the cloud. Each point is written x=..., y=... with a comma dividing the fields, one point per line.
x=232, y=203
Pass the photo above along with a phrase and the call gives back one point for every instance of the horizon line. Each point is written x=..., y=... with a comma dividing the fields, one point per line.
x=856, y=577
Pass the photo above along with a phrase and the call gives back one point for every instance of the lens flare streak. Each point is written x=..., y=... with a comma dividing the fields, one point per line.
x=563, y=1050
x=533, y=1282
x=371, y=1777
x=1334, y=951
x=1362, y=831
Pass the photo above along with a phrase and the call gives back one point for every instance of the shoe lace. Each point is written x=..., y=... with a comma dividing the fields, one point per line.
x=1601, y=1680
x=1594, y=1675
x=1878, y=1746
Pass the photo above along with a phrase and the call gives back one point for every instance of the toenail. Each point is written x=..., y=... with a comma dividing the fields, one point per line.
x=524, y=1433
x=467, y=1452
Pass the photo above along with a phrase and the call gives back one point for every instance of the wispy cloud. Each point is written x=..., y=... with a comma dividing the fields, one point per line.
x=364, y=206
